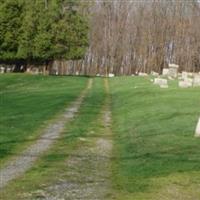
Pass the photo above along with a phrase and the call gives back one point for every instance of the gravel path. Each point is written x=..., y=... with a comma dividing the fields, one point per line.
x=88, y=172
x=26, y=159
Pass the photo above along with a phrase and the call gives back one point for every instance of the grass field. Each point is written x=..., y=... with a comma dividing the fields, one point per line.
x=157, y=156
x=52, y=166
x=27, y=103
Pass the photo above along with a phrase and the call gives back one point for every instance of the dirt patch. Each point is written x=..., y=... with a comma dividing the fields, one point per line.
x=26, y=159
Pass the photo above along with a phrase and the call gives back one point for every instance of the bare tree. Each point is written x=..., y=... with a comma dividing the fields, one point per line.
x=127, y=37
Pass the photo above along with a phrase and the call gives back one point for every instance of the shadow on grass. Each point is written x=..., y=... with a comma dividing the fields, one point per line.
x=136, y=169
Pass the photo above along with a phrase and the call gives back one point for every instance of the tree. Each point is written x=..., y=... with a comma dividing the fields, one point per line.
x=38, y=32
x=131, y=36
x=10, y=20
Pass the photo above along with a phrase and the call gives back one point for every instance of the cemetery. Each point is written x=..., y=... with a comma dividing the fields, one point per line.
x=99, y=100
x=166, y=144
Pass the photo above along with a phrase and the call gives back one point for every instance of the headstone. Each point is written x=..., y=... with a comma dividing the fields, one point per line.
x=165, y=71
x=110, y=75
x=196, y=81
x=185, y=84
x=190, y=74
x=77, y=73
x=173, y=70
x=197, y=131
x=187, y=80
x=142, y=74
x=161, y=82
x=2, y=70
x=184, y=75
x=154, y=73
x=8, y=69
x=28, y=70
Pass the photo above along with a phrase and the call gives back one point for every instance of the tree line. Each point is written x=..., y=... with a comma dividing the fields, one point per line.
x=101, y=37
x=127, y=37
x=41, y=31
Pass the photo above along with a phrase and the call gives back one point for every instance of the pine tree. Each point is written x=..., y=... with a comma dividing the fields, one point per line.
x=41, y=31
x=71, y=32
x=10, y=21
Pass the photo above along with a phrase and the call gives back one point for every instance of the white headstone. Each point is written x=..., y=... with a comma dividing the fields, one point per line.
x=142, y=74
x=185, y=84
x=28, y=70
x=2, y=70
x=161, y=82
x=171, y=65
x=110, y=75
x=184, y=75
x=196, y=81
x=197, y=131
x=165, y=71
x=77, y=73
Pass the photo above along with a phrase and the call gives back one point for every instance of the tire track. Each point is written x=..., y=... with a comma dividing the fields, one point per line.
x=26, y=159
x=88, y=169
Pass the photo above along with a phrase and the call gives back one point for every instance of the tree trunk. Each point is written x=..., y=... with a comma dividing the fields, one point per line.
x=17, y=67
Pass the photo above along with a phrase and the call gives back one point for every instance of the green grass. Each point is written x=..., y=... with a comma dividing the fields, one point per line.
x=156, y=154
x=27, y=103
x=52, y=166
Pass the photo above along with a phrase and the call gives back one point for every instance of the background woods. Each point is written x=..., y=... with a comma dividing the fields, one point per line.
x=124, y=37
x=132, y=36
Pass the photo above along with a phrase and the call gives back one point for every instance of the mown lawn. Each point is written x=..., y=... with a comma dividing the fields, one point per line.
x=27, y=103
x=51, y=167
x=156, y=156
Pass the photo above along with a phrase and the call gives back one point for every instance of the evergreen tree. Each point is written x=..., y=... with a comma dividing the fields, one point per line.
x=10, y=21
x=70, y=32
x=41, y=31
